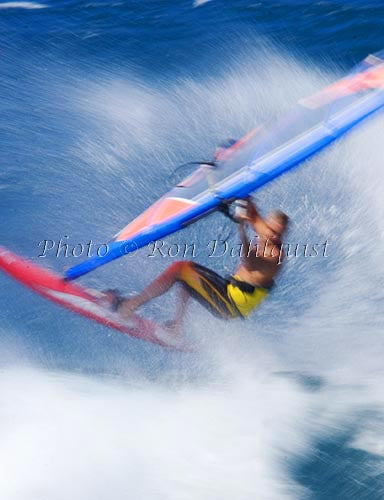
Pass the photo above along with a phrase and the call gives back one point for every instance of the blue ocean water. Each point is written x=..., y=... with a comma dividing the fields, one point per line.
x=99, y=102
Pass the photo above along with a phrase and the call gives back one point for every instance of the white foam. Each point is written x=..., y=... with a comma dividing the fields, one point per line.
x=141, y=441
x=22, y=5
x=197, y=3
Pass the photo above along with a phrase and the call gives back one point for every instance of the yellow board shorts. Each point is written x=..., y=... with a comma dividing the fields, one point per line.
x=225, y=298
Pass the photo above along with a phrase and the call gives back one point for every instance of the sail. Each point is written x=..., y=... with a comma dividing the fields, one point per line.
x=256, y=159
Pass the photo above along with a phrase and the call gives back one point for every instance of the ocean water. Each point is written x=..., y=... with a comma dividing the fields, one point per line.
x=99, y=102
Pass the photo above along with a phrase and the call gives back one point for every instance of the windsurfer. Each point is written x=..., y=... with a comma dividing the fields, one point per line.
x=232, y=297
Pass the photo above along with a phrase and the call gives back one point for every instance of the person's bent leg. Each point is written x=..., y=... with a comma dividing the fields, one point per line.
x=158, y=287
x=181, y=310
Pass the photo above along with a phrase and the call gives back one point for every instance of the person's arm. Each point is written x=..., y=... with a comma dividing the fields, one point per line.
x=244, y=241
x=256, y=221
x=243, y=235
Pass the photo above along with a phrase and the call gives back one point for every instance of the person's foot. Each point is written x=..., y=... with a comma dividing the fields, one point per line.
x=111, y=299
x=128, y=306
